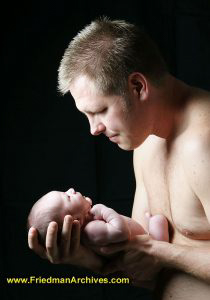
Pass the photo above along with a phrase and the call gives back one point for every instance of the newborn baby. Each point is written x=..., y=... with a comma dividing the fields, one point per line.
x=100, y=225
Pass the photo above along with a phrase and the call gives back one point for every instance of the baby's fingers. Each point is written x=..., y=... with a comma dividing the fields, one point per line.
x=33, y=243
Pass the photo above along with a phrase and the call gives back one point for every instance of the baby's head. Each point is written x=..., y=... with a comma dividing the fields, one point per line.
x=54, y=206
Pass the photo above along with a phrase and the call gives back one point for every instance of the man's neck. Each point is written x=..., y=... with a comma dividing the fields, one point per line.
x=169, y=102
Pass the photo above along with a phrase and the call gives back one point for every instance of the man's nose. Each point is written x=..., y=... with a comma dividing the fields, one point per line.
x=98, y=129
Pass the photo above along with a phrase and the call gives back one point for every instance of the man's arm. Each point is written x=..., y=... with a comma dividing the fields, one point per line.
x=189, y=259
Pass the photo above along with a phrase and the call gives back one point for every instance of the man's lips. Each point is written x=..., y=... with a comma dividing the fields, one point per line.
x=113, y=138
x=110, y=136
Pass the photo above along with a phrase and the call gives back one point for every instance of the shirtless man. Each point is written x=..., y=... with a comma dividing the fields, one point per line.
x=120, y=82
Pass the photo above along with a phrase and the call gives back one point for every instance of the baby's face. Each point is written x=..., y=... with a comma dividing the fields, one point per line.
x=68, y=203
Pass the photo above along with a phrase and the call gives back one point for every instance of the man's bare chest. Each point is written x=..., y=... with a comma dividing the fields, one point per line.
x=169, y=193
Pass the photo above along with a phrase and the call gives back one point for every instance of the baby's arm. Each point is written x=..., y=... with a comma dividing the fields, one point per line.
x=108, y=227
x=158, y=227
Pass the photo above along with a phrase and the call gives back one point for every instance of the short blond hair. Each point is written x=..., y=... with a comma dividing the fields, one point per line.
x=107, y=52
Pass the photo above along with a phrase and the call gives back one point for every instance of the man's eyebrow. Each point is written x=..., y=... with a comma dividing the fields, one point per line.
x=83, y=110
x=87, y=111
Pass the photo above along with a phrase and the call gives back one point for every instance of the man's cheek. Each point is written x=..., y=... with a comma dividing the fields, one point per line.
x=114, y=125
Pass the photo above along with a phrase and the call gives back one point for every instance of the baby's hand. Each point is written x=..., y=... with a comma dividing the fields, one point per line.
x=107, y=226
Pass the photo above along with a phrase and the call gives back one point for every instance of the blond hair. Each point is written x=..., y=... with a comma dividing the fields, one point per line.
x=107, y=52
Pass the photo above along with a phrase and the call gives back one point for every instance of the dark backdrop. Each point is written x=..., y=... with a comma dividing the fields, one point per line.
x=46, y=143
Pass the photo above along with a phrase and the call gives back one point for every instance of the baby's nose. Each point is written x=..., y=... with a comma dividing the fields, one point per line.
x=70, y=191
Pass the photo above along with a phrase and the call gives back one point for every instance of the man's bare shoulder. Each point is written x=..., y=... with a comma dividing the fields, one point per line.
x=197, y=134
x=198, y=111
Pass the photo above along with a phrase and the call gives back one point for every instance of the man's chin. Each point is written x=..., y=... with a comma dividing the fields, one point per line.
x=125, y=147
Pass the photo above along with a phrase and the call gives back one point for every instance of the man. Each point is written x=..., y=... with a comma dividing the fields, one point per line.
x=120, y=82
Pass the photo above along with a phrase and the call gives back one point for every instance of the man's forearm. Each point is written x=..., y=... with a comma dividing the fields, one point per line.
x=192, y=260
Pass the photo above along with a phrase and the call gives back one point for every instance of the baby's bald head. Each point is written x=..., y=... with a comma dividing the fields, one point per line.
x=54, y=206
x=47, y=209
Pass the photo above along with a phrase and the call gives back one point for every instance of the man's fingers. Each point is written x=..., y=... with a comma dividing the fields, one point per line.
x=51, y=242
x=75, y=237
x=32, y=238
x=33, y=243
x=111, y=249
x=66, y=235
x=136, y=242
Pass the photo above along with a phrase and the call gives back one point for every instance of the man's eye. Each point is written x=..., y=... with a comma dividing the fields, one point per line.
x=103, y=111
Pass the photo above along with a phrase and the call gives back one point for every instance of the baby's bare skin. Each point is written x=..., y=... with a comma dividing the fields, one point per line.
x=100, y=224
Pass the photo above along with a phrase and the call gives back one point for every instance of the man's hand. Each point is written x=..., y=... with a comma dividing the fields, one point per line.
x=136, y=259
x=70, y=250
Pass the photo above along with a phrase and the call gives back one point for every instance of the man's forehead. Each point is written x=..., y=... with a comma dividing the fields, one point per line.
x=88, y=107
x=84, y=94
x=82, y=86
x=87, y=98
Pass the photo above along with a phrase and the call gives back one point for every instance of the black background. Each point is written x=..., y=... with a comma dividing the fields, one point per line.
x=46, y=144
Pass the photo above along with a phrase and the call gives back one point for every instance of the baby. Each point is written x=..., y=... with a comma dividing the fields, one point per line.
x=100, y=225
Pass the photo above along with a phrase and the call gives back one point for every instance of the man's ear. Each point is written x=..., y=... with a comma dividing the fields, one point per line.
x=137, y=85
